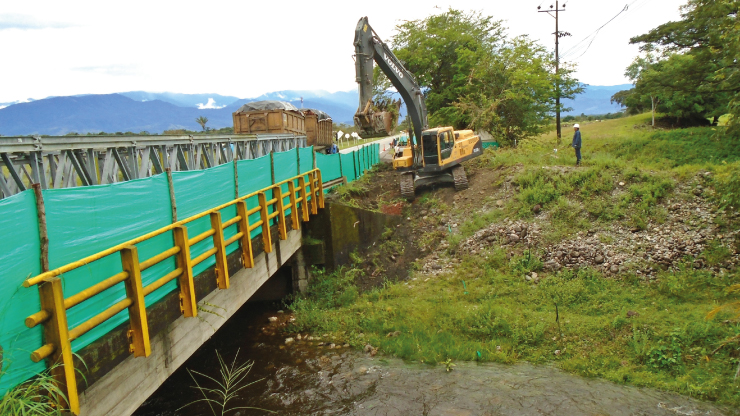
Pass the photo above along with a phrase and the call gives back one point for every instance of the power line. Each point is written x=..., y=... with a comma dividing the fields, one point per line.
x=580, y=46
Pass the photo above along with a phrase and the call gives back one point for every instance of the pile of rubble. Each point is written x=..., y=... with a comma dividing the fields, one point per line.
x=497, y=235
x=688, y=226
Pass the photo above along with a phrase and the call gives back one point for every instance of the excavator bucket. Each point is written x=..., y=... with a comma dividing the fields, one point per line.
x=372, y=123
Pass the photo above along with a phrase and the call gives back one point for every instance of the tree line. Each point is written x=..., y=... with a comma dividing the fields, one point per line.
x=688, y=69
x=473, y=75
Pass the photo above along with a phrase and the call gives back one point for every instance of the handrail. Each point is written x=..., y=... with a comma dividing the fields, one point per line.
x=97, y=256
x=54, y=306
x=304, y=199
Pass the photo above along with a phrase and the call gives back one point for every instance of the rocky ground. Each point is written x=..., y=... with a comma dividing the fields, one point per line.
x=691, y=222
x=682, y=237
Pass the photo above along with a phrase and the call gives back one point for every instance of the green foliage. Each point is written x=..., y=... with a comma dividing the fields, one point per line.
x=727, y=186
x=35, y=397
x=666, y=344
x=202, y=120
x=690, y=65
x=474, y=76
x=232, y=380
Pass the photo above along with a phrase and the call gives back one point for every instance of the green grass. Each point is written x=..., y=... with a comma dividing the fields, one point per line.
x=503, y=318
x=38, y=396
x=624, y=330
x=650, y=162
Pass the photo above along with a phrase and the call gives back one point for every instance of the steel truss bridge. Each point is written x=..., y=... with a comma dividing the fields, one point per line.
x=69, y=161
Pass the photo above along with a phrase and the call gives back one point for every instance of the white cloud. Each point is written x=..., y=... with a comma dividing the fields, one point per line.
x=27, y=100
x=113, y=69
x=211, y=104
x=95, y=50
x=28, y=22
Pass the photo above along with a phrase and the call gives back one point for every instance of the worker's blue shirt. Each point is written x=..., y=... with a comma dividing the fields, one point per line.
x=577, y=139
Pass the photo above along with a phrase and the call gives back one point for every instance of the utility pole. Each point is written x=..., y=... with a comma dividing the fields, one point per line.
x=558, y=34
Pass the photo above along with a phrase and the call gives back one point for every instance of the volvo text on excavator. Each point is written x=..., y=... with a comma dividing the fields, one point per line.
x=432, y=155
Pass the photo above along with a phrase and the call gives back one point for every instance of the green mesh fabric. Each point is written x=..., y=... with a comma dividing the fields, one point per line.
x=348, y=166
x=254, y=174
x=19, y=255
x=306, y=158
x=286, y=166
x=329, y=166
x=195, y=192
x=85, y=220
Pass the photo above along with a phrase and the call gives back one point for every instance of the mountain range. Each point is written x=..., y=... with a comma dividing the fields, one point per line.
x=137, y=111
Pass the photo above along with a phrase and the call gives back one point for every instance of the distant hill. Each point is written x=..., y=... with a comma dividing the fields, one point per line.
x=595, y=100
x=152, y=112
x=95, y=113
x=183, y=100
x=137, y=111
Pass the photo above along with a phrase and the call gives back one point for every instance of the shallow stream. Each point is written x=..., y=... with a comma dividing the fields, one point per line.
x=303, y=378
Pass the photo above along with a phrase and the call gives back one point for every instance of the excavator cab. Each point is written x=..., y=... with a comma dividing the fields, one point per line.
x=430, y=147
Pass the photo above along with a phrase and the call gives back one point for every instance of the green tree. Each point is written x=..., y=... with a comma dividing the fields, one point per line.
x=512, y=93
x=202, y=120
x=688, y=67
x=472, y=75
x=442, y=51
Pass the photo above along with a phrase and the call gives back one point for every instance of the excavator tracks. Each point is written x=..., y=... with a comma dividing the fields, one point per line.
x=461, y=180
x=407, y=186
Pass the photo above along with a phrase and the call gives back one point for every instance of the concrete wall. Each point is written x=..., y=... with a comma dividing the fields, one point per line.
x=125, y=386
x=343, y=229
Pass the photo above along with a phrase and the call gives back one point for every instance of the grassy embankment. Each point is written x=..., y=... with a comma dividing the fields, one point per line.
x=623, y=329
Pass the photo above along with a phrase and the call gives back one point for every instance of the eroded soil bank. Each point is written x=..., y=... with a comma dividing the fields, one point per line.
x=307, y=377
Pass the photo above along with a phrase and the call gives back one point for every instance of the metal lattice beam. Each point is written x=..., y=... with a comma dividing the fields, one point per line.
x=69, y=161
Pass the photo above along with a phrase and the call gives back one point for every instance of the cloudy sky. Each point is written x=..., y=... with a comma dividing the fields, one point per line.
x=246, y=48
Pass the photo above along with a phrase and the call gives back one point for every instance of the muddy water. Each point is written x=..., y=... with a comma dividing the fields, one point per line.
x=305, y=379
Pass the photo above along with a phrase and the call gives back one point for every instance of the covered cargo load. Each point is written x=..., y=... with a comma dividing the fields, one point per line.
x=319, y=128
x=276, y=117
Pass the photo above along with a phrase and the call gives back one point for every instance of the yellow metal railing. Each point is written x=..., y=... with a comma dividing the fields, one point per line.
x=53, y=314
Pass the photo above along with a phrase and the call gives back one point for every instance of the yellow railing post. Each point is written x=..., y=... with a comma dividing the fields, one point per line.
x=246, y=240
x=277, y=193
x=312, y=191
x=139, y=332
x=222, y=271
x=321, y=189
x=294, y=224
x=304, y=197
x=266, y=237
x=56, y=334
x=188, y=304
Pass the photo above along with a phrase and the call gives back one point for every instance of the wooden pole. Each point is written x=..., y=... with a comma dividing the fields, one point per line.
x=171, y=186
x=43, y=235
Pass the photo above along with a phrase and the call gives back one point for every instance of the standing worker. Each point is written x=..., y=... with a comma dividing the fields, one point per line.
x=577, y=143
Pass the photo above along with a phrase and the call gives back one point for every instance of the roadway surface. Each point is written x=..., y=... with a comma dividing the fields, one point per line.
x=384, y=146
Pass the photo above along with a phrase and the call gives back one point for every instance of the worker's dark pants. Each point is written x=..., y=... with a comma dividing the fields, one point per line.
x=578, y=155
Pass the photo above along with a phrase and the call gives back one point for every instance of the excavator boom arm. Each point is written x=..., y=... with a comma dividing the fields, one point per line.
x=368, y=48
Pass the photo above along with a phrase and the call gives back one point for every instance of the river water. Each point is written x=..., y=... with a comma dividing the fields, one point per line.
x=303, y=378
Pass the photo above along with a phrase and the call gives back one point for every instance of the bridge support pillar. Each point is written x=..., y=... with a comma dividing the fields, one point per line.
x=300, y=273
